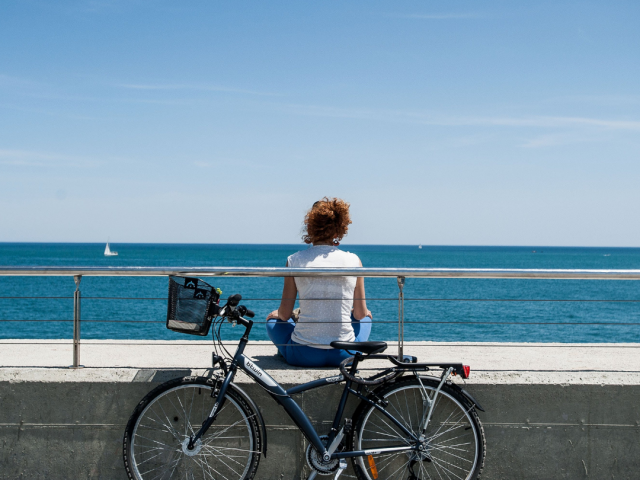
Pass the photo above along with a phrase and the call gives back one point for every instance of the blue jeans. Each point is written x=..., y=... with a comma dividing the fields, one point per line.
x=299, y=355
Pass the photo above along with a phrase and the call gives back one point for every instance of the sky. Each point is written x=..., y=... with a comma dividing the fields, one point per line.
x=444, y=123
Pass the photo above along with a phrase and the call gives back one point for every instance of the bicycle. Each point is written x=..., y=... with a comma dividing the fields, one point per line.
x=408, y=425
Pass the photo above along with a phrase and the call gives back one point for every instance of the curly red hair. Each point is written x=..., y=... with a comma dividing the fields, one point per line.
x=327, y=221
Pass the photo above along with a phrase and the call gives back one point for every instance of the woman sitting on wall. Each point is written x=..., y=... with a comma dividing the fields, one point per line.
x=331, y=308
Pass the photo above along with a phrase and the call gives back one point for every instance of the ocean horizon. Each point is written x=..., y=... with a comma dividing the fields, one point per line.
x=573, y=311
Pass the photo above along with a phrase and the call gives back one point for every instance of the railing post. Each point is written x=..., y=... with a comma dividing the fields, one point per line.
x=401, y=319
x=76, y=323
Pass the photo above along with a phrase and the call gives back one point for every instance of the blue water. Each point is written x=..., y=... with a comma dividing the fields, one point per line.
x=262, y=294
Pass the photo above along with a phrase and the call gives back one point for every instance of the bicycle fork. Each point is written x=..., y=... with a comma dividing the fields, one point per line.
x=217, y=406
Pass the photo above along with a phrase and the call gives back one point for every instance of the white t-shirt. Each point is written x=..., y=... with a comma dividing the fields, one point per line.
x=324, y=299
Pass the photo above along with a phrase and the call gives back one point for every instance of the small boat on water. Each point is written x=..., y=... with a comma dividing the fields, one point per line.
x=108, y=252
x=420, y=247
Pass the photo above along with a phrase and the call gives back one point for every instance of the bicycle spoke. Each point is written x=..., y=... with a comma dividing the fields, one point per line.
x=216, y=452
x=423, y=471
x=451, y=449
x=406, y=402
x=218, y=457
x=442, y=444
x=435, y=465
x=446, y=469
x=175, y=466
x=443, y=423
x=380, y=433
x=389, y=460
x=159, y=443
x=208, y=467
x=393, y=429
x=213, y=470
x=213, y=437
x=406, y=424
x=161, y=466
x=150, y=458
x=456, y=456
x=225, y=452
x=184, y=412
x=401, y=467
x=454, y=427
x=168, y=424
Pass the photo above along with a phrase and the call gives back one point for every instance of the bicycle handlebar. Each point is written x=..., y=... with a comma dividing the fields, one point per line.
x=234, y=310
x=245, y=312
x=234, y=300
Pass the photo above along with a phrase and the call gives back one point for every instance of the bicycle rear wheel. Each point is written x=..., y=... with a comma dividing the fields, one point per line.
x=157, y=434
x=454, y=439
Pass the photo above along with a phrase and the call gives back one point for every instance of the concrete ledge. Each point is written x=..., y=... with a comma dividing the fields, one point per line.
x=553, y=411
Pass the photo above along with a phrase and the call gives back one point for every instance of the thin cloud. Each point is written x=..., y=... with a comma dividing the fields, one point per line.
x=203, y=164
x=27, y=158
x=225, y=162
x=98, y=6
x=605, y=100
x=438, y=120
x=194, y=87
x=564, y=138
x=105, y=99
x=11, y=81
x=437, y=16
x=556, y=122
x=51, y=113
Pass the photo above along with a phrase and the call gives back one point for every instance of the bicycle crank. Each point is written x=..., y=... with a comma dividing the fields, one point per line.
x=317, y=464
x=342, y=466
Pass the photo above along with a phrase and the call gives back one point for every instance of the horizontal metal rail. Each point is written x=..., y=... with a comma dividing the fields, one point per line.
x=399, y=273
x=494, y=273
x=199, y=343
x=410, y=322
x=369, y=299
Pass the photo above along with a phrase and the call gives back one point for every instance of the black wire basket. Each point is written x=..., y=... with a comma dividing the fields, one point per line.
x=192, y=305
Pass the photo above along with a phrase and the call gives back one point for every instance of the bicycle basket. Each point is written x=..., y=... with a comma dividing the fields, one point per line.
x=192, y=305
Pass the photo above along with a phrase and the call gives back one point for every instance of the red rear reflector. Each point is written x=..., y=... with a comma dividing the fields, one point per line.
x=467, y=370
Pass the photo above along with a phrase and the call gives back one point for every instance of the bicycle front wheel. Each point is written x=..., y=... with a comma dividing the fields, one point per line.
x=158, y=432
x=454, y=443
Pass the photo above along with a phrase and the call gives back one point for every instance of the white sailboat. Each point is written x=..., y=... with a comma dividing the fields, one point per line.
x=420, y=247
x=108, y=252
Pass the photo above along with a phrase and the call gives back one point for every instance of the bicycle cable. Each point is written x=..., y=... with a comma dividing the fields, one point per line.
x=374, y=380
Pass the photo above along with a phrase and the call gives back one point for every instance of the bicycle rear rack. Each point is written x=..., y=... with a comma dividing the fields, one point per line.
x=411, y=364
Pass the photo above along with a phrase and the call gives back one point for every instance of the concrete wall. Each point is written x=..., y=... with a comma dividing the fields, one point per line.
x=56, y=424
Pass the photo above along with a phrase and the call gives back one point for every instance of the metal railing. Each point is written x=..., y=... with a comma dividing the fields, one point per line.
x=399, y=273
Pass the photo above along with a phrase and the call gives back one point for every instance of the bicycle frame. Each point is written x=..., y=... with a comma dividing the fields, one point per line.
x=283, y=397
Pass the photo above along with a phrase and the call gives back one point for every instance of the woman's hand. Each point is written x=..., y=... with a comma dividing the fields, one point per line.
x=273, y=314
x=369, y=314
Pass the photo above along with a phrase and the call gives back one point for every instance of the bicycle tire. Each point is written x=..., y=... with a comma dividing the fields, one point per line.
x=153, y=444
x=453, y=419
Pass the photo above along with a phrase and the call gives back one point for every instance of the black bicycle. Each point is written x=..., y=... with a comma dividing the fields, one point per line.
x=409, y=425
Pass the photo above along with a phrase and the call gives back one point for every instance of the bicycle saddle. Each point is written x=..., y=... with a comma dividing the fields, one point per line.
x=367, y=348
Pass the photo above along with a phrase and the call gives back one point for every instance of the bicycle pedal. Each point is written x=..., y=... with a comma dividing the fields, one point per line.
x=341, y=468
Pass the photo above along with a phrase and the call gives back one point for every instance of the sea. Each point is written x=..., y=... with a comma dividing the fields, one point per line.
x=451, y=310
